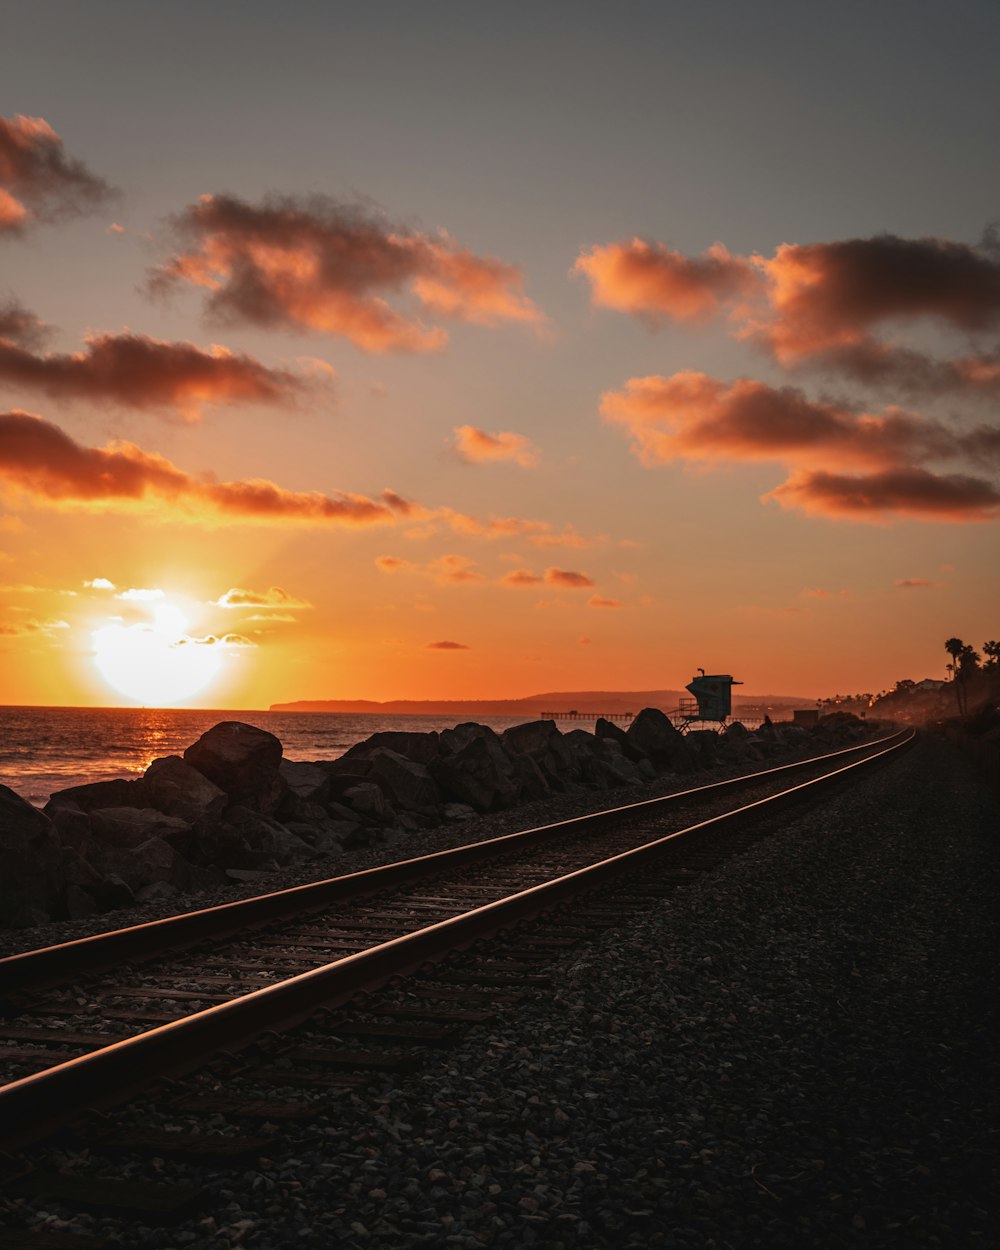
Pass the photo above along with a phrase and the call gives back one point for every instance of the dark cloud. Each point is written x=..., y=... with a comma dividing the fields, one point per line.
x=41, y=460
x=142, y=372
x=38, y=181
x=908, y=492
x=19, y=325
x=322, y=266
x=446, y=645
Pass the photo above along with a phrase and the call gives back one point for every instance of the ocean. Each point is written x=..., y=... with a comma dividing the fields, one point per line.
x=44, y=749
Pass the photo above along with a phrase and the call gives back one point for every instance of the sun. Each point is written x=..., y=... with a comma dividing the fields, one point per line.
x=156, y=662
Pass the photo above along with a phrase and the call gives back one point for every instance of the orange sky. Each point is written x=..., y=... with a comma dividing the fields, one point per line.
x=462, y=394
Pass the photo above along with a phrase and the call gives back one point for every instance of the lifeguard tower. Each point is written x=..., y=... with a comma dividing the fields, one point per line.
x=712, y=702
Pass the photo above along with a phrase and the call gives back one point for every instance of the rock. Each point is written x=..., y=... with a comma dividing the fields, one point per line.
x=409, y=785
x=130, y=826
x=458, y=811
x=176, y=789
x=705, y=744
x=652, y=732
x=369, y=801
x=33, y=878
x=474, y=768
x=736, y=730
x=532, y=782
x=113, y=892
x=79, y=903
x=71, y=826
x=309, y=783
x=117, y=793
x=552, y=751
x=420, y=748
x=157, y=892
x=154, y=860
x=243, y=761
x=262, y=839
x=608, y=731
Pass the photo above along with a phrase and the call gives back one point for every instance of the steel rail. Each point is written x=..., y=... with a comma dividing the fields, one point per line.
x=50, y=965
x=32, y=1106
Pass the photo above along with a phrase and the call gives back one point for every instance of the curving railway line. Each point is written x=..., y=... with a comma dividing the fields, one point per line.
x=370, y=968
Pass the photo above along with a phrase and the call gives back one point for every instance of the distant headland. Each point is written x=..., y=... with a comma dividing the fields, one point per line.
x=596, y=701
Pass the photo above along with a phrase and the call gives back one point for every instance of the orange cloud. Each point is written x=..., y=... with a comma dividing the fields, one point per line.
x=652, y=281
x=273, y=597
x=691, y=416
x=40, y=460
x=915, y=583
x=906, y=492
x=567, y=579
x=521, y=577
x=445, y=569
x=322, y=266
x=445, y=645
x=476, y=446
x=595, y=601
x=29, y=629
x=142, y=372
x=38, y=181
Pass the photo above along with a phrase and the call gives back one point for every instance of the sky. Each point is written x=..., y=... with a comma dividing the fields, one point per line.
x=470, y=351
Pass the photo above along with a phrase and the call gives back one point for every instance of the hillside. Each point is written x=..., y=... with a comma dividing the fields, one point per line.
x=594, y=701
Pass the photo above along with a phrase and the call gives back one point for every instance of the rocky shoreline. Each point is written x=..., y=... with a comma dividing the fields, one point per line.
x=233, y=817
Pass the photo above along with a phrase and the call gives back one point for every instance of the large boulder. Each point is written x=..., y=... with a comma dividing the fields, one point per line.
x=176, y=789
x=309, y=783
x=254, y=840
x=117, y=793
x=152, y=861
x=370, y=802
x=608, y=731
x=652, y=732
x=421, y=748
x=543, y=743
x=33, y=878
x=131, y=826
x=473, y=768
x=243, y=761
x=408, y=784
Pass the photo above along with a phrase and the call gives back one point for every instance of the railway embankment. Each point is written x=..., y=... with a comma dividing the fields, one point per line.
x=796, y=1049
x=233, y=814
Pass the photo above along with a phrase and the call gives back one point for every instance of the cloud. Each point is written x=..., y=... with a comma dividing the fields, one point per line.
x=99, y=583
x=915, y=583
x=907, y=492
x=595, y=601
x=29, y=629
x=904, y=370
x=38, y=181
x=522, y=577
x=273, y=597
x=828, y=295
x=445, y=645
x=140, y=594
x=655, y=283
x=567, y=579
x=142, y=372
x=691, y=416
x=448, y=569
x=322, y=266
x=40, y=460
x=19, y=325
x=476, y=446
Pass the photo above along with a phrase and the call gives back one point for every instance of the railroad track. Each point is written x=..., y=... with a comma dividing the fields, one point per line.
x=336, y=984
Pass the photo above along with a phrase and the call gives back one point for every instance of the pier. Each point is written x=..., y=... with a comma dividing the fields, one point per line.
x=574, y=715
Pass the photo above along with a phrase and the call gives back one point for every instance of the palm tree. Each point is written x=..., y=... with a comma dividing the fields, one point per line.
x=955, y=647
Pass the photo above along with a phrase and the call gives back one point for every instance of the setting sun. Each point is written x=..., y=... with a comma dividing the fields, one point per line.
x=156, y=662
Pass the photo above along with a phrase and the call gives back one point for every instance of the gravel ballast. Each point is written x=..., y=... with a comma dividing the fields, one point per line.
x=795, y=1051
